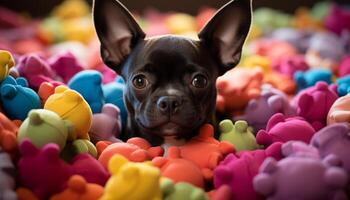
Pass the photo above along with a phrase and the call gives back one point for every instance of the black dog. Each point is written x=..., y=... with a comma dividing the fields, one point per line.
x=170, y=80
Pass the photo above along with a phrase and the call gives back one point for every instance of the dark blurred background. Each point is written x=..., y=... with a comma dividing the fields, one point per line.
x=40, y=8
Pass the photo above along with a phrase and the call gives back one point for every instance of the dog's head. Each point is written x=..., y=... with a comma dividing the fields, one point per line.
x=170, y=80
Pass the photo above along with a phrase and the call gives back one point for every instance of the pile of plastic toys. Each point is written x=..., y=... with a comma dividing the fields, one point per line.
x=286, y=136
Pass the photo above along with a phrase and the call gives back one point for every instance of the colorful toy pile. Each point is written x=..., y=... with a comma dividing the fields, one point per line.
x=285, y=113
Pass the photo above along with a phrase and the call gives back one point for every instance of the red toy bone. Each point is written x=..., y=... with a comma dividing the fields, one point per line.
x=205, y=151
x=179, y=169
x=8, y=134
x=135, y=149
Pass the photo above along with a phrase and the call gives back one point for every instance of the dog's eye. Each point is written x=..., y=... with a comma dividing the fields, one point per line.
x=199, y=81
x=140, y=81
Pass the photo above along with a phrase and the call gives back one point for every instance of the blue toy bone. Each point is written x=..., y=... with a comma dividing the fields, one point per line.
x=17, y=99
x=89, y=84
x=343, y=85
x=7, y=181
x=311, y=77
x=114, y=94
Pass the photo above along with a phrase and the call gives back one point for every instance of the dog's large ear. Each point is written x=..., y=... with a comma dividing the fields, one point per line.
x=117, y=30
x=226, y=32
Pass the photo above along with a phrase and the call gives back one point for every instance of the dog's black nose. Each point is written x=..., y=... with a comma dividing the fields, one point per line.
x=169, y=104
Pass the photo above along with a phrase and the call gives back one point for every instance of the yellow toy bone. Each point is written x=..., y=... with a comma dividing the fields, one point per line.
x=129, y=180
x=6, y=63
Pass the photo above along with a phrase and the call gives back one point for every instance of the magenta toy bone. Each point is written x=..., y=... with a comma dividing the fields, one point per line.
x=65, y=65
x=291, y=64
x=314, y=103
x=283, y=129
x=238, y=171
x=271, y=101
x=301, y=178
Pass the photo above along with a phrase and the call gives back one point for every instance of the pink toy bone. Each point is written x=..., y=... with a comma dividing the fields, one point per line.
x=89, y=168
x=290, y=65
x=135, y=149
x=42, y=171
x=314, y=103
x=340, y=111
x=108, y=75
x=238, y=171
x=106, y=125
x=334, y=140
x=179, y=169
x=235, y=95
x=35, y=70
x=301, y=178
x=344, y=67
x=338, y=19
x=282, y=129
x=205, y=151
x=270, y=102
x=65, y=65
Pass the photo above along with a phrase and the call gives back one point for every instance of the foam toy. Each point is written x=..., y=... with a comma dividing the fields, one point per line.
x=180, y=23
x=238, y=134
x=298, y=38
x=258, y=61
x=304, y=20
x=222, y=193
x=78, y=49
x=344, y=67
x=334, y=140
x=292, y=178
x=283, y=129
x=272, y=48
x=108, y=74
x=268, y=19
x=300, y=149
x=343, y=85
x=260, y=110
x=135, y=149
x=46, y=89
x=71, y=9
x=7, y=177
x=65, y=65
x=205, y=151
x=89, y=84
x=88, y=167
x=133, y=180
x=338, y=19
x=8, y=131
x=14, y=72
x=281, y=82
x=181, y=190
x=340, y=111
x=6, y=63
x=44, y=126
x=41, y=170
x=238, y=171
x=71, y=106
x=314, y=103
x=35, y=69
x=25, y=194
x=235, y=95
x=291, y=64
x=106, y=125
x=78, y=188
x=14, y=93
x=78, y=146
x=203, y=16
x=311, y=77
x=113, y=93
x=325, y=49
x=178, y=169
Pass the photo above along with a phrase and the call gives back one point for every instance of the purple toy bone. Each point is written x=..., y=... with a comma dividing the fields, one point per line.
x=89, y=168
x=344, y=67
x=271, y=101
x=334, y=139
x=291, y=64
x=238, y=171
x=299, y=149
x=65, y=65
x=106, y=125
x=338, y=19
x=35, y=70
x=42, y=171
x=282, y=129
x=301, y=178
x=7, y=177
x=314, y=103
